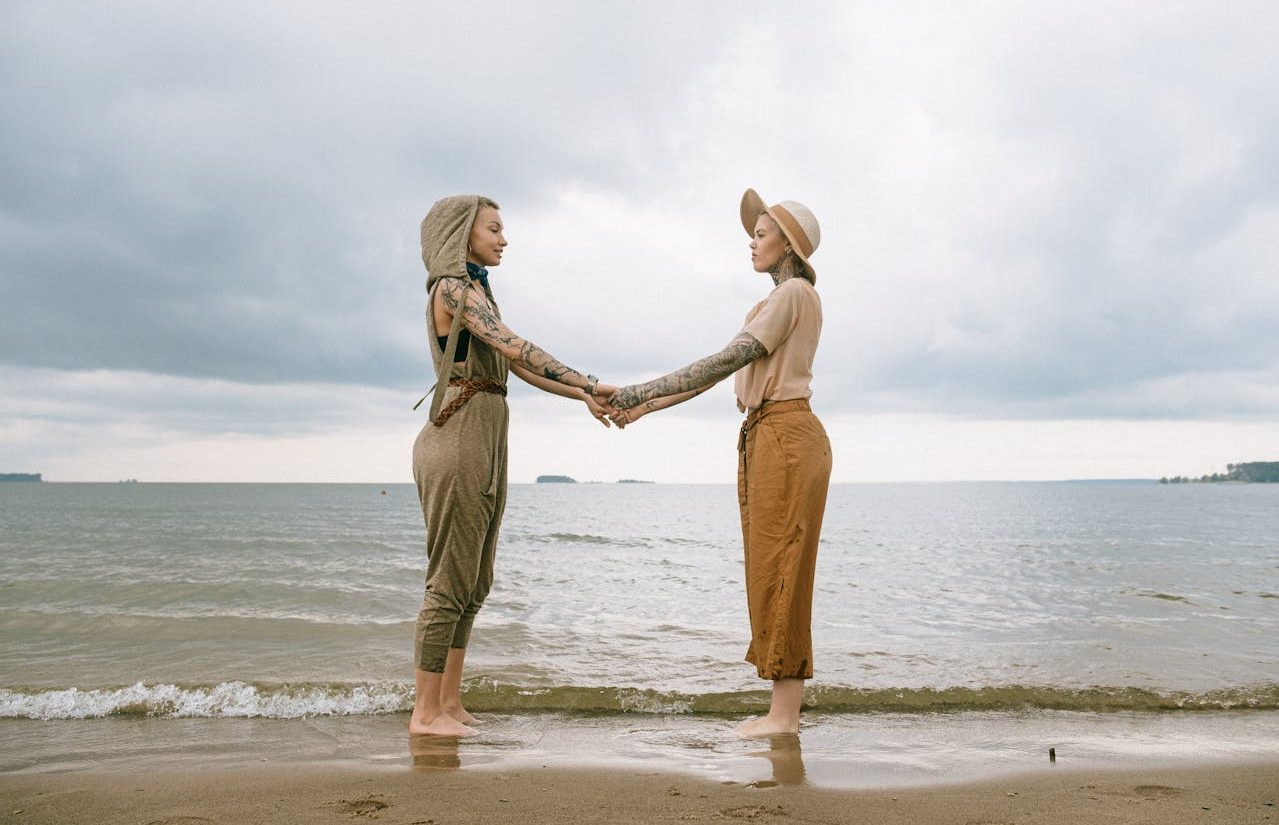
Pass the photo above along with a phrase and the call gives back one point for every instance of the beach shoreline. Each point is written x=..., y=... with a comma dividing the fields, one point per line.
x=832, y=751
x=343, y=792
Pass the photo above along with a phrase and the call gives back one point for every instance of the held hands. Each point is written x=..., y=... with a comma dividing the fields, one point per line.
x=623, y=417
x=598, y=404
x=626, y=406
x=620, y=405
x=601, y=412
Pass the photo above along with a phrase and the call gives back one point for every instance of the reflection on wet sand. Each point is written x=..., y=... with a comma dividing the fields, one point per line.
x=787, y=757
x=437, y=753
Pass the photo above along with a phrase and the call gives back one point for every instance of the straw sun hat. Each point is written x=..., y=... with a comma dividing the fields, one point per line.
x=794, y=219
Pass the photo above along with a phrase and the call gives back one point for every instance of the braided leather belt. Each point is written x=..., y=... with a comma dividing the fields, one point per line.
x=470, y=386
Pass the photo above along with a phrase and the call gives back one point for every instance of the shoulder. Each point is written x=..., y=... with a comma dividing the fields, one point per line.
x=450, y=288
x=796, y=292
x=798, y=287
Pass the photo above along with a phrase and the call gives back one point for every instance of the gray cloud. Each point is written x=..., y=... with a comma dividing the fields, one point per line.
x=189, y=194
x=1047, y=211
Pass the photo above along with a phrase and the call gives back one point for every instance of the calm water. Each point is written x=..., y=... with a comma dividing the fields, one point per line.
x=281, y=601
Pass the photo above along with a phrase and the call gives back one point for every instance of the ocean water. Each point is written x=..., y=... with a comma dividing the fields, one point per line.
x=939, y=608
x=295, y=600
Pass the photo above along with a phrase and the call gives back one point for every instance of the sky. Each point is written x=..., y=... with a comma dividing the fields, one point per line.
x=1049, y=231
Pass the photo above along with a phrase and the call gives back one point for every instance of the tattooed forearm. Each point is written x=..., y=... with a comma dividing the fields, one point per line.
x=740, y=351
x=483, y=321
x=540, y=361
x=655, y=404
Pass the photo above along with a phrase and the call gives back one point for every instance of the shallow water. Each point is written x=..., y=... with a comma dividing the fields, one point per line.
x=832, y=750
x=297, y=600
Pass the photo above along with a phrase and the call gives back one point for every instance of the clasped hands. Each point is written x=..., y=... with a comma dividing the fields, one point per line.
x=615, y=404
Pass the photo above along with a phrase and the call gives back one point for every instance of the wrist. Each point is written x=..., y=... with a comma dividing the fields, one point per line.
x=591, y=382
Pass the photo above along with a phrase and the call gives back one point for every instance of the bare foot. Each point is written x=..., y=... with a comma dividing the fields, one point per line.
x=766, y=726
x=460, y=714
x=442, y=725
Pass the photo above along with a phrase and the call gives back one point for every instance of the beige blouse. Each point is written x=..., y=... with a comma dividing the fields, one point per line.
x=788, y=323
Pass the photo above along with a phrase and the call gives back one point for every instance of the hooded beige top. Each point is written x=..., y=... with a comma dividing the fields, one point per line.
x=789, y=324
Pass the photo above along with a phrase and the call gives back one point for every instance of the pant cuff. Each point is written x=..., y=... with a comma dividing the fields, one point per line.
x=431, y=657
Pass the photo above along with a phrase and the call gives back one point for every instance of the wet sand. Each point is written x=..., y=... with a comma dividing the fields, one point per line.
x=431, y=793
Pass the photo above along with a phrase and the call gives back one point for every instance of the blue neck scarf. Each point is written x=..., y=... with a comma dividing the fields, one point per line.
x=478, y=273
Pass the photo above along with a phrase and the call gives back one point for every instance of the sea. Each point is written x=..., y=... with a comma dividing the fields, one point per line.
x=958, y=628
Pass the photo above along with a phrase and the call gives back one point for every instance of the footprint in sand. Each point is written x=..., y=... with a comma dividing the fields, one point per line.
x=1152, y=792
x=751, y=812
x=364, y=806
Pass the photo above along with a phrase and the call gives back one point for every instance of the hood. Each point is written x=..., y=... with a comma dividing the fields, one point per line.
x=445, y=232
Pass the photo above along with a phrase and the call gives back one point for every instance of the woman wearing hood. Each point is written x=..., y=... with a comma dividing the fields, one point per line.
x=459, y=458
x=784, y=460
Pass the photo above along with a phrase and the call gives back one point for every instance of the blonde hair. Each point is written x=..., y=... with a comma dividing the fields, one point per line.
x=790, y=265
x=486, y=202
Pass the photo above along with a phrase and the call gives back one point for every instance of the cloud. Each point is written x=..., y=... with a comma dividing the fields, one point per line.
x=1045, y=211
x=192, y=195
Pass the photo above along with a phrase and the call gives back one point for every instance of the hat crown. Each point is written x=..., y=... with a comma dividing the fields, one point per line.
x=807, y=222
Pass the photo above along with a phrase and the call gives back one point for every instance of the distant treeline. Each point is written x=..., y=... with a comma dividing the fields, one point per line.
x=1252, y=472
x=21, y=477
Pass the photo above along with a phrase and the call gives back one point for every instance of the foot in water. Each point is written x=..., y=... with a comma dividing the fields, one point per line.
x=442, y=725
x=766, y=726
x=460, y=714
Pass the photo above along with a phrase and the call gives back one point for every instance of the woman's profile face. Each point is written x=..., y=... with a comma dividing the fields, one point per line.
x=487, y=242
x=768, y=245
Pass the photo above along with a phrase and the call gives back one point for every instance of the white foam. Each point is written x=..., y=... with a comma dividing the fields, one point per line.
x=225, y=700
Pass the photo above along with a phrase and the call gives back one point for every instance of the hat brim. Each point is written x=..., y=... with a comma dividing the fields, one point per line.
x=752, y=206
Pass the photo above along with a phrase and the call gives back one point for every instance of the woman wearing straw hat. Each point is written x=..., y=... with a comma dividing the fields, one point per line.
x=459, y=458
x=784, y=459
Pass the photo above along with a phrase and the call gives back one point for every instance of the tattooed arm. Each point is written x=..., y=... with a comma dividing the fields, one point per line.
x=700, y=374
x=481, y=319
x=600, y=411
x=623, y=417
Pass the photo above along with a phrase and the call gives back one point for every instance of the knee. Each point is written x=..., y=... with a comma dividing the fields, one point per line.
x=478, y=595
x=436, y=602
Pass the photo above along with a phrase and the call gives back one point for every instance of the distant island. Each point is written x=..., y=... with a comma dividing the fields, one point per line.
x=555, y=480
x=1253, y=472
x=36, y=477
x=633, y=481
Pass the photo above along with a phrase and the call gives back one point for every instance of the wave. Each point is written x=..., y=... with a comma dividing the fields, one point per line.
x=293, y=701
x=575, y=538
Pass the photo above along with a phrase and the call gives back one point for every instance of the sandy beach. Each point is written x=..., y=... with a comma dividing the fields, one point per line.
x=1235, y=793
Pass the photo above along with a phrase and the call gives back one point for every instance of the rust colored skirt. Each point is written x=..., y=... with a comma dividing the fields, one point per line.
x=783, y=472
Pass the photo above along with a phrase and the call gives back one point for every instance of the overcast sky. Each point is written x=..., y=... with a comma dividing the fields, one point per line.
x=1050, y=231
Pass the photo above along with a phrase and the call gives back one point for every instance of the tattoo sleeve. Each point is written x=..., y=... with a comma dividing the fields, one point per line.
x=740, y=351
x=482, y=320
